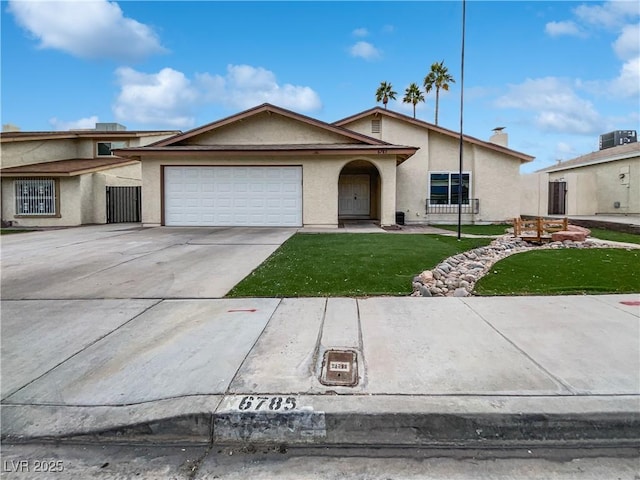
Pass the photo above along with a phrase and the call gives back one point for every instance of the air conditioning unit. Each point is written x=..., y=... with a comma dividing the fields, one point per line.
x=617, y=138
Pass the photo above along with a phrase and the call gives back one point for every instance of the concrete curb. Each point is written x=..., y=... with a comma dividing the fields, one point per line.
x=338, y=420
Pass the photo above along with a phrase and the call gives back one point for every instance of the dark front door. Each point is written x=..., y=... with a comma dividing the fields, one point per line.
x=557, y=198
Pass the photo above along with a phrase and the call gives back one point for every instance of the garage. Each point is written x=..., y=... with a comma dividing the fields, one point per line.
x=233, y=196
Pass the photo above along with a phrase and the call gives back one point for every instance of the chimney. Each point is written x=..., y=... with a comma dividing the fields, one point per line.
x=499, y=137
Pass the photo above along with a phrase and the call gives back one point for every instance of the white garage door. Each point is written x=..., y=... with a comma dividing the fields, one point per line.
x=233, y=196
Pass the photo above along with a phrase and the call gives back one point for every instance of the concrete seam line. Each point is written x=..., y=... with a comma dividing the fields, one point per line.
x=316, y=350
x=142, y=255
x=244, y=360
x=511, y=342
x=597, y=299
x=82, y=350
x=363, y=372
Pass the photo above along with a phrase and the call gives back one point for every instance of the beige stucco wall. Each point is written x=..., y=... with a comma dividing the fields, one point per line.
x=496, y=181
x=70, y=195
x=494, y=176
x=82, y=198
x=36, y=151
x=319, y=184
x=267, y=129
x=591, y=190
x=534, y=191
x=594, y=189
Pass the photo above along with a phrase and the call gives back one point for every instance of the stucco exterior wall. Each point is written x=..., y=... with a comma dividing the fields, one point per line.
x=86, y=196
x=496, y=182
x=147, y=139
x=413, y=173
x=495, y=176
x=534, y=191
x=319, y=184
x=267, y=129
x=37, y=151
x=591, y=189
x=70, y=196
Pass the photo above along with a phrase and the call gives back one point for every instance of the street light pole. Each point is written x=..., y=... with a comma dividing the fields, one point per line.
x=464, y=8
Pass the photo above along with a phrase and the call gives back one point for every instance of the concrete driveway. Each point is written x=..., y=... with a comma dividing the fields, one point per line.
x=127, y=261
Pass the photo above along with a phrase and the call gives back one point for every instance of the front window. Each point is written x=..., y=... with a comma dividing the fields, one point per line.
x=104, y=148
x=36, y=196
x=443, y=188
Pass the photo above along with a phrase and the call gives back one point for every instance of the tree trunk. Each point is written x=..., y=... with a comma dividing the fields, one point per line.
x=437, y=103
x=385, y=100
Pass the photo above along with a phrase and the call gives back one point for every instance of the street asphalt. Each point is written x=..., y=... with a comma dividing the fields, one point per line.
x=122, y=334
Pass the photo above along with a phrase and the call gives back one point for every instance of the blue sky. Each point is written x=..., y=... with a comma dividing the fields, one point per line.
x=555, y=74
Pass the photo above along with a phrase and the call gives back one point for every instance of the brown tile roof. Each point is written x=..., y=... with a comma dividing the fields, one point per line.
x=601, y=156
x=66, y=168
x=430, y=126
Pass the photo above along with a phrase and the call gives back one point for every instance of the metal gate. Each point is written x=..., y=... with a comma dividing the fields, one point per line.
x=123, y=204
x=557, y=198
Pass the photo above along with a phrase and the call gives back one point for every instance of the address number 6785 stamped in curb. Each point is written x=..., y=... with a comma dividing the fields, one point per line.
x=266, y=404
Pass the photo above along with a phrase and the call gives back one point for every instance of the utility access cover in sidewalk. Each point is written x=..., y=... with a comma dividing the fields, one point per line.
x=339, y=367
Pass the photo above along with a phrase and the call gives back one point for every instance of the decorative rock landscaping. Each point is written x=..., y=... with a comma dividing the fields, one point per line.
x=457, y=275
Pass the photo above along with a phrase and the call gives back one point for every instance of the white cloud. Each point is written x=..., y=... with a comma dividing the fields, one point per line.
x=388, y=29
x=86, y=29
x=611, y=14
x=555, y=29
x=245, y=86
x=627, y=83
x=627, y=45
x=554, y=104
x=166, y=97
x=360, y=32
x=364, y=50
x=170, y=98
x=81, y=124
x=564, y=151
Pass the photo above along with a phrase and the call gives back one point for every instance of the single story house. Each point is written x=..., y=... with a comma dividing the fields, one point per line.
x=603, y=182
x=268, y=166
x=62, y=178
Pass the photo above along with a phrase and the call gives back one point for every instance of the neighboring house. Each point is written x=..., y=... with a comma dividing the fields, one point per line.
x=603, y=182
x=61, y=178
x=268, y=166
x=427, y=183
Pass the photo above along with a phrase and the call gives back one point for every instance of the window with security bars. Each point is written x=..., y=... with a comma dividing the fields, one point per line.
x=35, y=196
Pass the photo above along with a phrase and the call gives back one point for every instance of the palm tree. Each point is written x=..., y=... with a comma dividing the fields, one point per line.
x=413, y=95
x=384, y=93
x=439, y=77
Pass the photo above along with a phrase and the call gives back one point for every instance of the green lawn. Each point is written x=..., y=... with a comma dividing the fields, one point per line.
x=334, y=264
x=566, y=271
x=493, y=229
x=614, y=236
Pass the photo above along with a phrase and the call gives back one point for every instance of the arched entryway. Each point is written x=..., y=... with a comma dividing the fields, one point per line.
x=359, y=191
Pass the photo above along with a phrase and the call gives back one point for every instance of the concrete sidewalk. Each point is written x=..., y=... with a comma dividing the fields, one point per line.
x=449, y=371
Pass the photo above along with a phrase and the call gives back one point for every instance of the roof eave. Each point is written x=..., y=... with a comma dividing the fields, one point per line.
x=177, y=151
x=524, y=158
